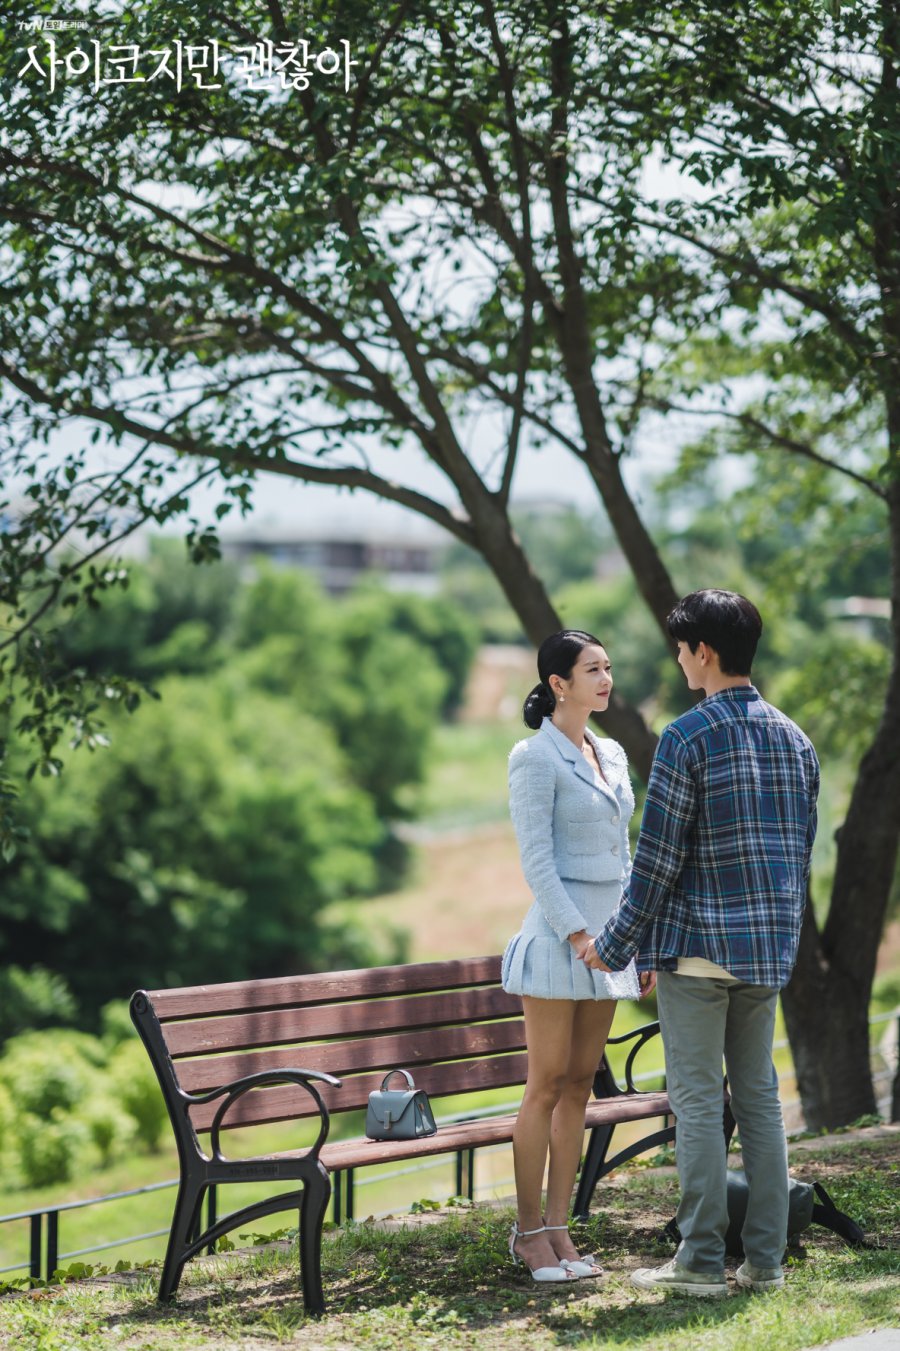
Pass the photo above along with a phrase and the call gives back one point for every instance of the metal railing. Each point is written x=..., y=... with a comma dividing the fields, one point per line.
x=45, y=1257
x=44, y=1254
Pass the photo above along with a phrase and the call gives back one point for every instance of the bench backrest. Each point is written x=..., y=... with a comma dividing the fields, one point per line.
x=450, y=1023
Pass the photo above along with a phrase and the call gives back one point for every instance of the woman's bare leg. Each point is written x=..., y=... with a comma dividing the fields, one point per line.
x=591, y=1023
x=548, y=1035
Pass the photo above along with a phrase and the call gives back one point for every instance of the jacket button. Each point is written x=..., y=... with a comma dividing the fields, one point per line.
x=614, y=849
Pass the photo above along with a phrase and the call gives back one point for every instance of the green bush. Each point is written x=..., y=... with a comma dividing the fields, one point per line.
x=387, y=702
x=170, y=618
x=841, y=717
x=7, y=1129
x=46, y=1072
x=207, y=839
x=66, y=1102
x=48, y=1147
x=135, y=1087
x=115, y=1023
x=33, y=998
x=109, y=1127
x=440, y=630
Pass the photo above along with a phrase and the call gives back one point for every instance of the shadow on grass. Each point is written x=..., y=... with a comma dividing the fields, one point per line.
x=582, y=1313
x=453, y=1276
x=455, y=1270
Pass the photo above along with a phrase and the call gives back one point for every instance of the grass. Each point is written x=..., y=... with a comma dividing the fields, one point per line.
x=446, y=1281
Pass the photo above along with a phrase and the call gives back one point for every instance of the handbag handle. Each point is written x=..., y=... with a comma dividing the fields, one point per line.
x=390, y=1074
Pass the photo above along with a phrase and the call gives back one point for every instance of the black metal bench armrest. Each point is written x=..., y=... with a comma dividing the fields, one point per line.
x=264, y=1078
x=605, y=1085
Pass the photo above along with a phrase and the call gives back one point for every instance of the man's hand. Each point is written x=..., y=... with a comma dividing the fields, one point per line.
x=591, y=958
x=647, y=982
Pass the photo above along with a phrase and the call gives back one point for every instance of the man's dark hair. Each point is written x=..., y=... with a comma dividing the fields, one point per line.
x=727, y=622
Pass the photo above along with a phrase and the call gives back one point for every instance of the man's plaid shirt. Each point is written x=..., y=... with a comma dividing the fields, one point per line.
x=722, y=861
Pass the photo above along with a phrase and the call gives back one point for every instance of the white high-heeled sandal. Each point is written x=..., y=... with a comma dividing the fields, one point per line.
x=559, y=1273
x=581, y=1267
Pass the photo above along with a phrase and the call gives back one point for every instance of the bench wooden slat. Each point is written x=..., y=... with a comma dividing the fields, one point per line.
x=497, y=1130
x=494, y=1130
x=410, y=1049
x=322, y=988
x=446, y=1080
x=278, y=1027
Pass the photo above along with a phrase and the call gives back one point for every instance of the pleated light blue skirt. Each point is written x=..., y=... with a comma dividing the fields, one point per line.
x=536, y=963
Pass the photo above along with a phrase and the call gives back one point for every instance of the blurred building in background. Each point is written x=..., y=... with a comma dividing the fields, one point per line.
x=338, y=560
x=867, y=616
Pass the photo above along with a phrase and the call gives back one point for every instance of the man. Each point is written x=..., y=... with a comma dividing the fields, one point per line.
x=714, y=905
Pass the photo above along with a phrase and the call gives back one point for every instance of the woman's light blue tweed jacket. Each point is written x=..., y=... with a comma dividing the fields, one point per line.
x=570, y=825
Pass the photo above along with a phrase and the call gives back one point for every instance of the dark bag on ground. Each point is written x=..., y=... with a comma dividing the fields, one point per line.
x=399, y=1113
x=808, y=1203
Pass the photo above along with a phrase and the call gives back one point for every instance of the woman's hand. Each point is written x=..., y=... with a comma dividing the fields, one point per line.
x=580, y=941
x=647, y=982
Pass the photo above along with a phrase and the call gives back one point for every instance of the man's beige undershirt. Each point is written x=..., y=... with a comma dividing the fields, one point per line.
x=699, y=966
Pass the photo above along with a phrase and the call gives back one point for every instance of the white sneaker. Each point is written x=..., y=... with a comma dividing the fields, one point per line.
x=750, y=1277
x=671, y=1276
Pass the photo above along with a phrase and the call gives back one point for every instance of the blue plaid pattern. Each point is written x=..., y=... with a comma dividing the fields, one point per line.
x=721, y=865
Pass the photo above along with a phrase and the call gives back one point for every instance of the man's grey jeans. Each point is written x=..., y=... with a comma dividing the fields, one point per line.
x=703, y=1020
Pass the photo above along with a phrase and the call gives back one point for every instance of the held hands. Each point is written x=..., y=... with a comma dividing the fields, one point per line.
x=587, y=953
x=591, y=958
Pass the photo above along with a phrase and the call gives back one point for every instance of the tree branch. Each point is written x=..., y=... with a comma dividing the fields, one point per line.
x=526, y=337
x=352, y=477
x=749, y=266
x=483, y=375
x=777, y=438
x=56, y=584
x=349, y=477
x=447, y=452
x=571, y=321
x=230, y=259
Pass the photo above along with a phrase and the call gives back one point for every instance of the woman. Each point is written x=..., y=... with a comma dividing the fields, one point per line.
x=570, y=800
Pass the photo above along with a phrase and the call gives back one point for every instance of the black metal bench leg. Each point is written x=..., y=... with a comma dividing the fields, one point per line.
x=316, y=1191
x=465, y=1173
x=184, y=1224
x=729, y=1125
x=594, y=1159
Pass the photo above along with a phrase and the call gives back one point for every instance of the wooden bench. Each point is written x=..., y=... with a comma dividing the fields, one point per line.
x=260, y=1051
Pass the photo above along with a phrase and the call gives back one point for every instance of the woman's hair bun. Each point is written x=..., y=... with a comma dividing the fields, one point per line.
x=539, y=705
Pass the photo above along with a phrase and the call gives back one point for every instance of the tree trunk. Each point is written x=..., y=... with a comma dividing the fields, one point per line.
x=647, y=567
x=826, y=1016
x=827, y=1001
